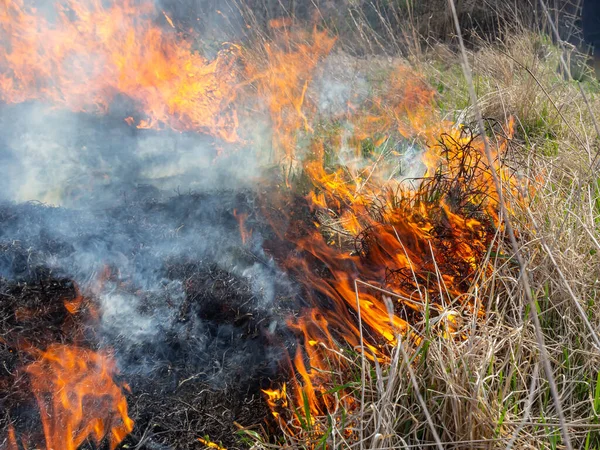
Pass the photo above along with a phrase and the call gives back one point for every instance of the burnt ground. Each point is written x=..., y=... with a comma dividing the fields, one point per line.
x=196, y=328
x=171, y=407
x=150, y=235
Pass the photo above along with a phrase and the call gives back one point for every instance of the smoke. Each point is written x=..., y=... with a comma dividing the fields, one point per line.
x=82, y=161
x=82, y=194
x=181, y=291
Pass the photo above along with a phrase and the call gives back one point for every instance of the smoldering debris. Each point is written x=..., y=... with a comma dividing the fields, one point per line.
x=193, y=314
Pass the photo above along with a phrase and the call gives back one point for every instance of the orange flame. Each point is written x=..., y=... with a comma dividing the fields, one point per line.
x=282, y=82
x=78, y=397
x=371, y=235
x=378, y=237
x=209, y=444
x=73, y=305
x=12, y=439
x=90, y=55
x=245, y=233
x=277, y=399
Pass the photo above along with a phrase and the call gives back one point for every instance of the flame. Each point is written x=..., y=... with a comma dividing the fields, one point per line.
x=90, y=55
x=209, y=444
x=73, y=305
x=281, y=78
x=12, y=438
x=420, y=243
x=373, y=250
x=277, y=399
x=78, y=397
x=245, y=233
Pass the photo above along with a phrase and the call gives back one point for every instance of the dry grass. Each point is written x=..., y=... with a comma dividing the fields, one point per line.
x=489, y=390
x=390, y=27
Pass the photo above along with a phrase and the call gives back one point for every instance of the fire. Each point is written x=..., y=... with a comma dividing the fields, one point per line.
x=281, y=79
x=277, y=399
x=371, y=233
x=88, y=56
x=209, y=444
x=245, y=233
x=12, y=439
x=420, y=243
x=78, y=397
x=73, y=305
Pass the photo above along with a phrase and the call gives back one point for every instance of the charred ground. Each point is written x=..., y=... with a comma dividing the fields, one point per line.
x=209, y=342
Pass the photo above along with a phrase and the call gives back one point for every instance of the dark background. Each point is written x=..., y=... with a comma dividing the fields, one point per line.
x=383, y=26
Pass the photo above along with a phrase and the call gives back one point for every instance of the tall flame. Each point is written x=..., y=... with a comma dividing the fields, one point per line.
x=89, y=55
x=282, y=77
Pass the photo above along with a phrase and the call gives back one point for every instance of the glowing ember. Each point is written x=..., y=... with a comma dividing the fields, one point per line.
x=78, y=398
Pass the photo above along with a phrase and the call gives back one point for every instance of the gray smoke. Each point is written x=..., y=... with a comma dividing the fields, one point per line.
x=80, y=193
x=84, y=193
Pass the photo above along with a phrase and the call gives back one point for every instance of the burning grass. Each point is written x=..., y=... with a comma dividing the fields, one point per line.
x=485, y=388
x=361, y=294
x=413, y=265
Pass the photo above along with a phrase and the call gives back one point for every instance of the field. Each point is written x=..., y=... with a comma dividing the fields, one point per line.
x=299, y=225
